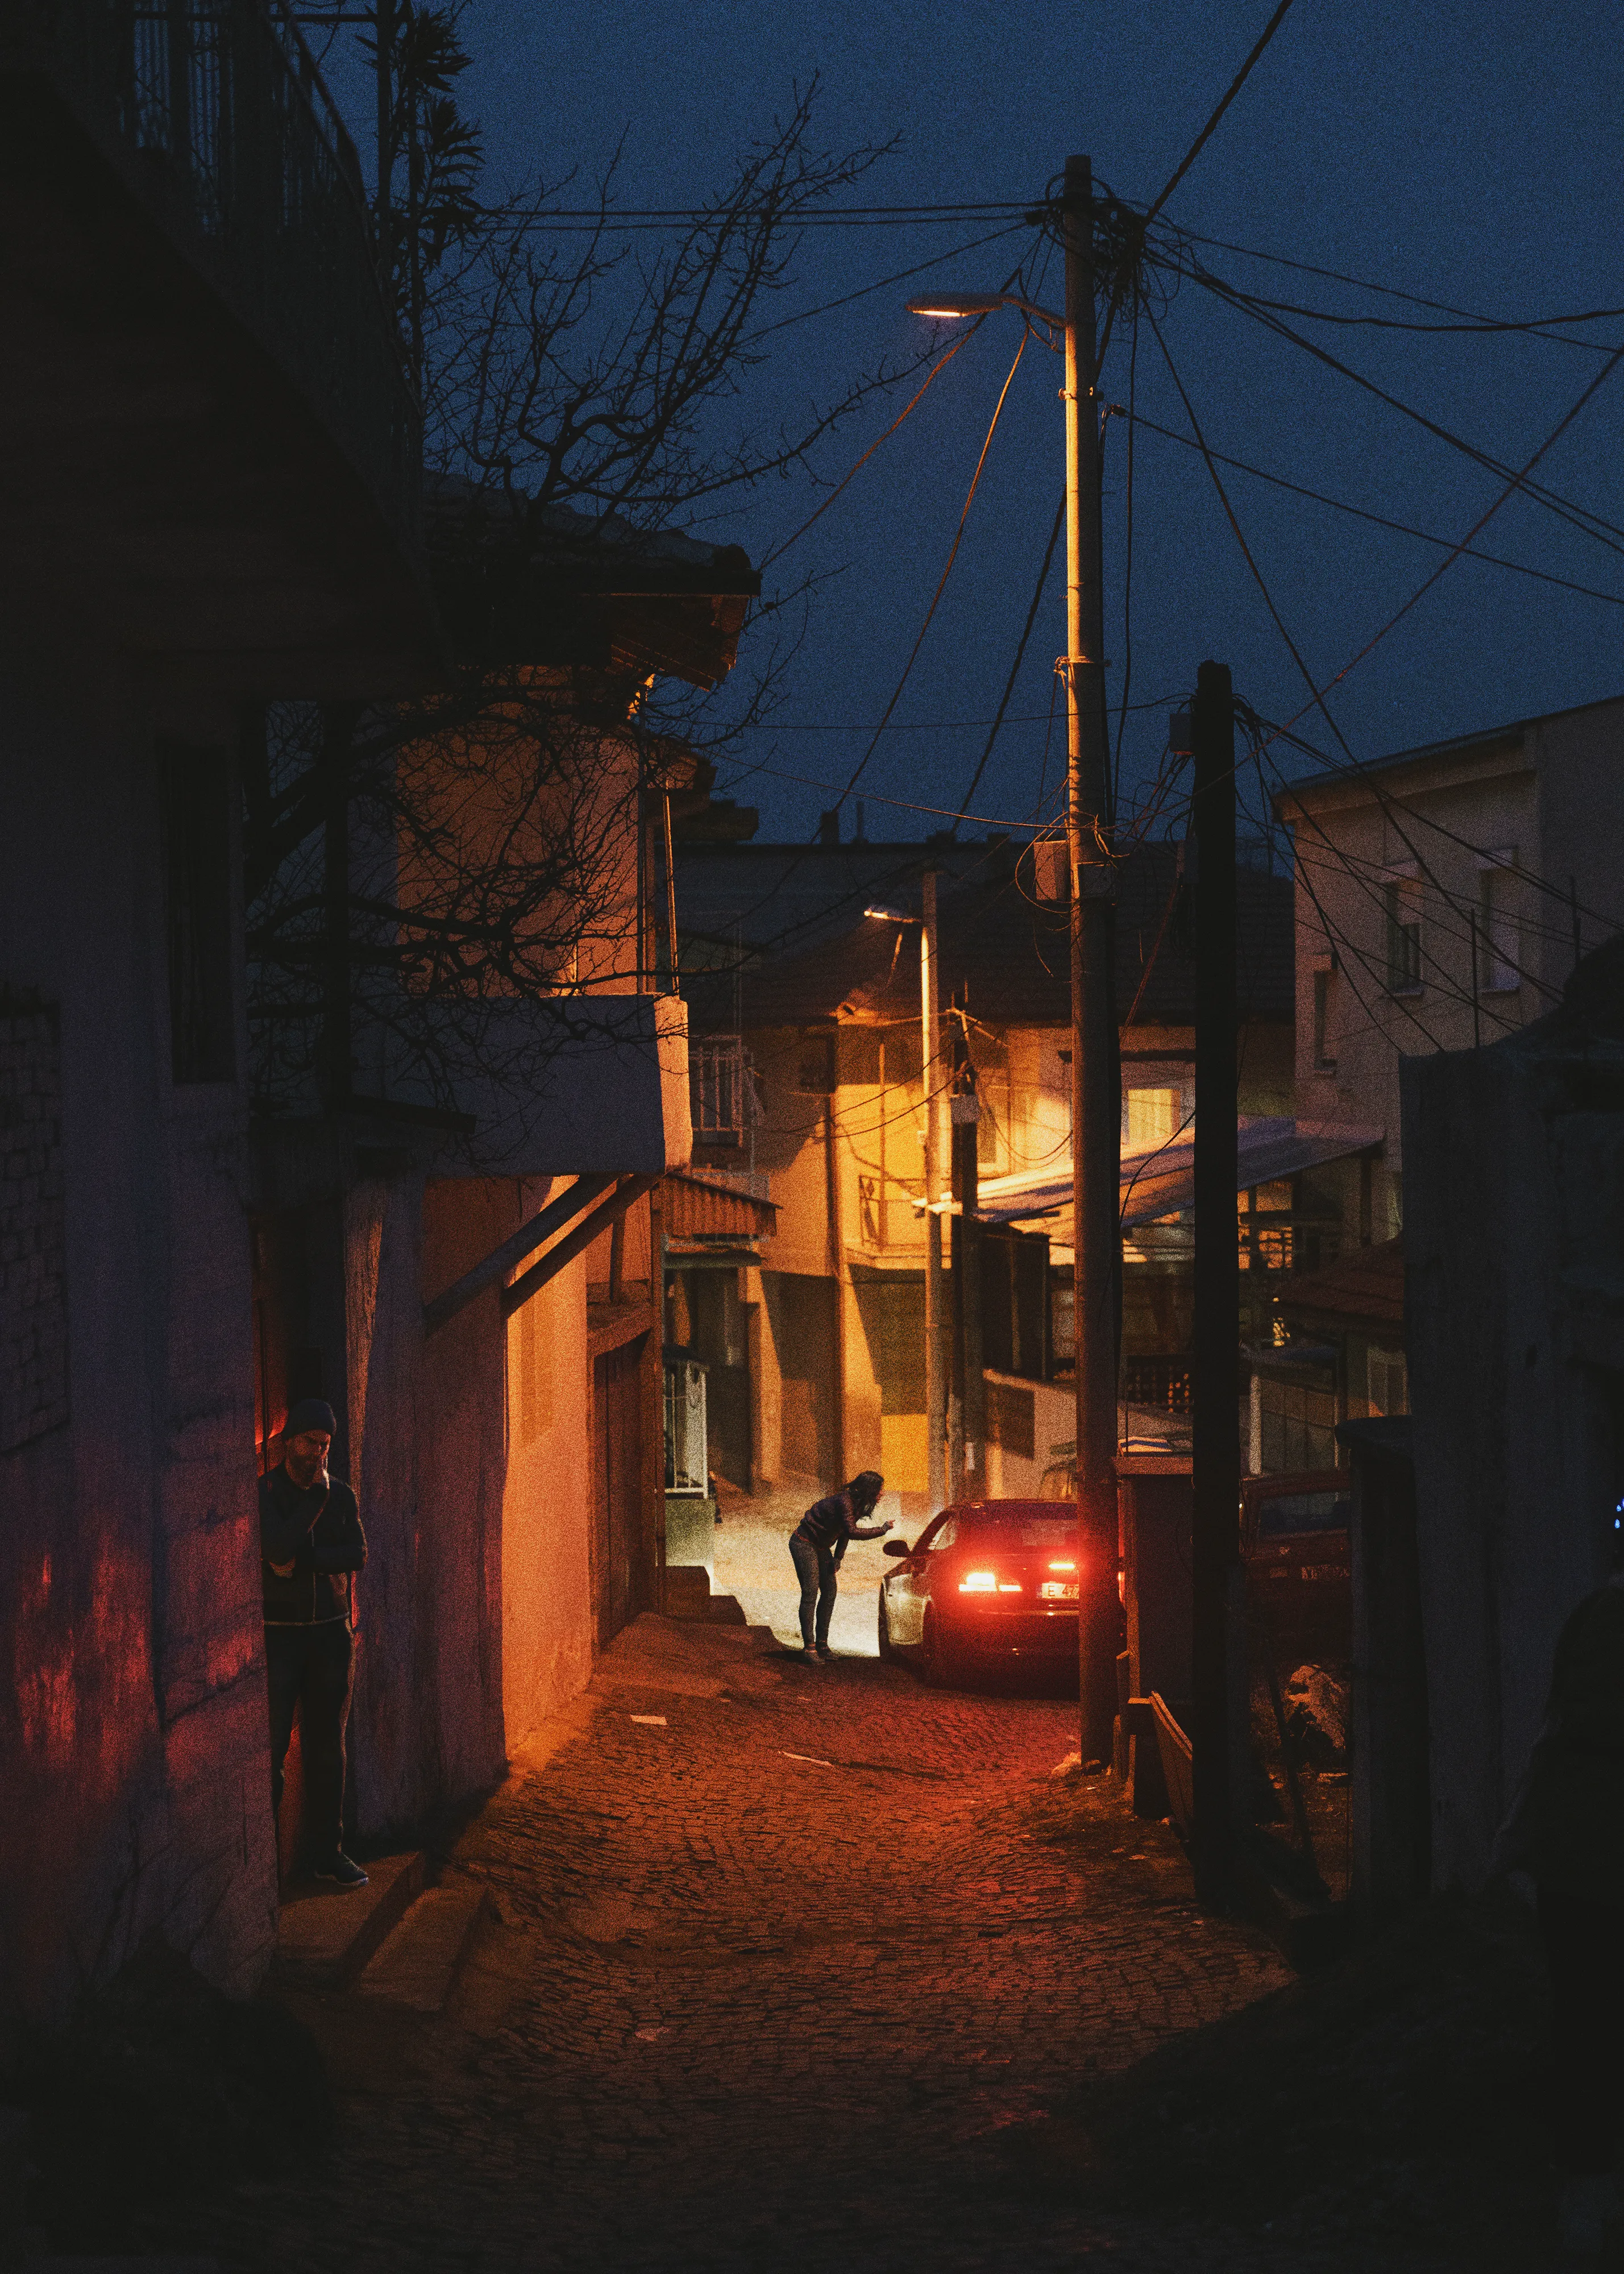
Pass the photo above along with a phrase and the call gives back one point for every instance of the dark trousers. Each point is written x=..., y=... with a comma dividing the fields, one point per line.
x=814, y=1567
x=1584, y=1951
x=310, y=1667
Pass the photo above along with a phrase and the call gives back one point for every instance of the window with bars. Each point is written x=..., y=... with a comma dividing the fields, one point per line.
x=719, y=1091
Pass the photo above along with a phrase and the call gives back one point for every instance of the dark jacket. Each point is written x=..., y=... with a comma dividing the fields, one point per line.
x=833, y=1521
x=320, y=1533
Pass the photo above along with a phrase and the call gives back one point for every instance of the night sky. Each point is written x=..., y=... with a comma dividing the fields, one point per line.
x=1465, y=154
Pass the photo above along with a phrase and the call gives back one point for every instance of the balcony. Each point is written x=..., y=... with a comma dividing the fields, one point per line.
x=213, y=451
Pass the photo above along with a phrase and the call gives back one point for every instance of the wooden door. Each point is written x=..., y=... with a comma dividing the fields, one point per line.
x=617, y=1465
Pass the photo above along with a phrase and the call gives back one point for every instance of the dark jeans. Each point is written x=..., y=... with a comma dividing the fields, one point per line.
x=310, y=1669
x=814, y=1567
x=1584, y=1951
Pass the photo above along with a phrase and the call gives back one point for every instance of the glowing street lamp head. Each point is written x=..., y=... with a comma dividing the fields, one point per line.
x=948, y=304
x=890, y=915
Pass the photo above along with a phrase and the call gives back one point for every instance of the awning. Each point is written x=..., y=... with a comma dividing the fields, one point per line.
x=1161, y=1182
x=714, y=1208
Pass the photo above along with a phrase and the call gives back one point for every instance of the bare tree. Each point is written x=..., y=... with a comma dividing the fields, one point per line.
x=413, y=868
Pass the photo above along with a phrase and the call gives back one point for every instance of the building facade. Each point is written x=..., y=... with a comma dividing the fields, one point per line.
x=1443, y=896
x=210, y=463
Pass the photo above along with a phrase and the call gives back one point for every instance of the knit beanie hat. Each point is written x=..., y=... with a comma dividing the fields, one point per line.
x=310, y=1413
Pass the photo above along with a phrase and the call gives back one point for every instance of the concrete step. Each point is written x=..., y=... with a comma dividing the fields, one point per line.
x=326, y=1935
x=687, y=1591
x=417, y=1966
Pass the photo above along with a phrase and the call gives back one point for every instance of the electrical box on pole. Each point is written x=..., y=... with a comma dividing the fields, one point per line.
x=1215, y=1430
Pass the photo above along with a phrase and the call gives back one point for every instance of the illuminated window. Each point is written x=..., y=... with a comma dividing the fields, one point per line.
x=1153, y=1118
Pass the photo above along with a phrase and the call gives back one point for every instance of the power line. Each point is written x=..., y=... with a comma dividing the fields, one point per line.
x=1381, y=521
x=1206, y=132
x=1364, y=773
x=907, y=805
x=923, y=725
x=585, y=220
x=1477, y=326
x=1513, y=484
x=1318, y=694
x=1590, y=524
x=899, y=276
x=1390, y=291
x=1008, y=689
x=1334, y=932
x=947, y=569
x=1127, y=575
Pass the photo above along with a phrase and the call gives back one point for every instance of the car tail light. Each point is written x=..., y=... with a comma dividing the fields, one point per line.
x=1063, y=1567
x=979, y=1583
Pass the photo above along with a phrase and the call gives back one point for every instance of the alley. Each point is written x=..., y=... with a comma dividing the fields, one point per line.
x=786, y=1960
x=823, y=1969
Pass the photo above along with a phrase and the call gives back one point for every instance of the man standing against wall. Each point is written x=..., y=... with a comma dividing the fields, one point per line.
x=312, y=1545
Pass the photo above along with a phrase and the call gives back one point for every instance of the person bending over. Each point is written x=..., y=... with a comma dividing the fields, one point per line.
x=817, y=1545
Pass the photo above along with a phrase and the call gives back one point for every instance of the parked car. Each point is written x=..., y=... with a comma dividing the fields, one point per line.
x=988, y=1580
x=1296, y=1549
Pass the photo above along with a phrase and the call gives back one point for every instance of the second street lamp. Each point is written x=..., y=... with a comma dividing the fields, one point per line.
x=1096, y=1098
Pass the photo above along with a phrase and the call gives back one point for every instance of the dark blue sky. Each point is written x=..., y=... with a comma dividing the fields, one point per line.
x=1467, y=153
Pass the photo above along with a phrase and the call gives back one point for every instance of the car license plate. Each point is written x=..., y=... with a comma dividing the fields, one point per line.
x=1059, y=1591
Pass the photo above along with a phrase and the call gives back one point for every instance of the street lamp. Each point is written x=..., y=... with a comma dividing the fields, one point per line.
x=936, y=1150
x=1096, y=1101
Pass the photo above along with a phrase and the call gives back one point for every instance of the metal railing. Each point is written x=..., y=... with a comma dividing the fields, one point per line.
x=237, y=146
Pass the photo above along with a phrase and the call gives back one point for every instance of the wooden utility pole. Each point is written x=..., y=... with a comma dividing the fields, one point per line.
x=936, y=1150
x=1216, y=1460
x=1096, y=1101
x=967, y=1402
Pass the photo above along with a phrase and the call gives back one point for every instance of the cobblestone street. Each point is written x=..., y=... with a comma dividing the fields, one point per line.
x=792, y=1967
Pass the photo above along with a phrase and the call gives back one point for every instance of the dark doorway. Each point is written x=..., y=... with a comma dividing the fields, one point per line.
x=617, y=1487
x=803, y=1313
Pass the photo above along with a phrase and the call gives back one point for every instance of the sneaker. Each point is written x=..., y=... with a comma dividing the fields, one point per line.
x=825, y=1653
x=809, y=1655
x=341, y=1871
